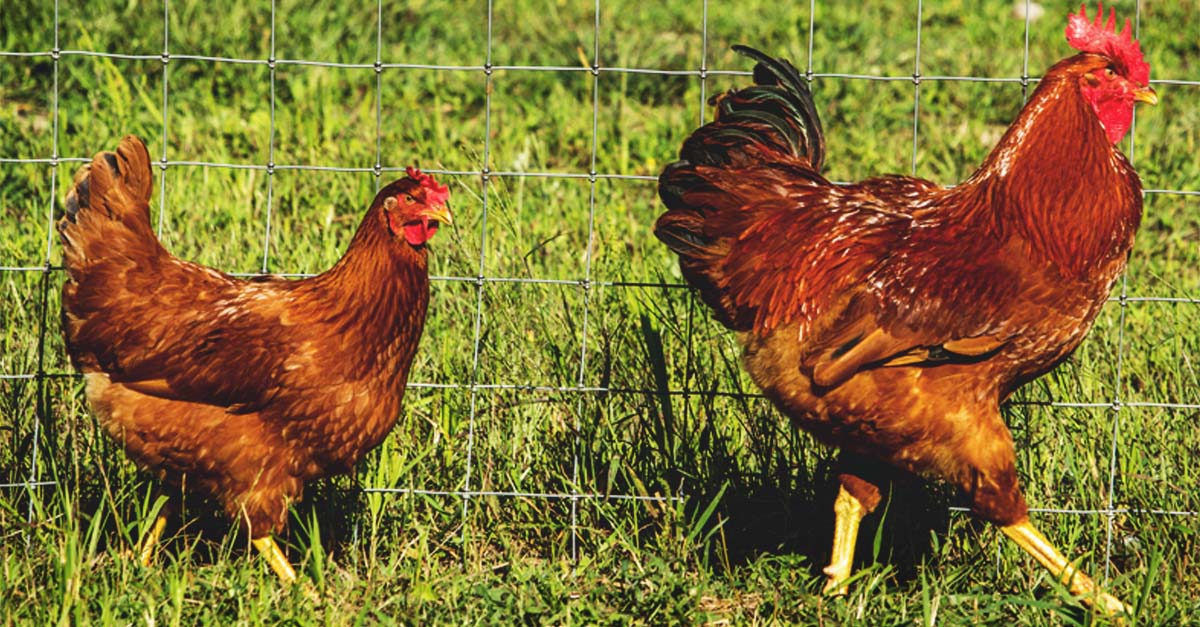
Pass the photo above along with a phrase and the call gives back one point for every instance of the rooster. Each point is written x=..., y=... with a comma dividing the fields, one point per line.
x=892, y=317
x=242, y=389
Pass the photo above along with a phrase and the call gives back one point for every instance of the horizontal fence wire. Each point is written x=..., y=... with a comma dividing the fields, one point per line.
x=586, y=283
x=912, y=78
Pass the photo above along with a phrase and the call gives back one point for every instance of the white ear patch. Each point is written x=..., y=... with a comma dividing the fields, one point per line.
x=389, y=203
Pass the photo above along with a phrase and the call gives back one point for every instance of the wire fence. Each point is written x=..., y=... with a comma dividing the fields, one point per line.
x=585, y=284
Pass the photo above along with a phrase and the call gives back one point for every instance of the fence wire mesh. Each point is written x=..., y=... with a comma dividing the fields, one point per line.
x=477, y=384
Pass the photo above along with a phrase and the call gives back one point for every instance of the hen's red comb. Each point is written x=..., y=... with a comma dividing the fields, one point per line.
x=434, y=194
x=1100, y=37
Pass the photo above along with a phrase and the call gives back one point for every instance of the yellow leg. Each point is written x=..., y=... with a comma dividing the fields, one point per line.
x=848, y=513
x=1035, y=544
x=150, y=542
x=275, y=557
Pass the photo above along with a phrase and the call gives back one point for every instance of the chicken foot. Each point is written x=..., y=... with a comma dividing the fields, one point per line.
x=275, y=558
x=848, y=513
x=1034, y=543
x=149, y=544
x=265, y=545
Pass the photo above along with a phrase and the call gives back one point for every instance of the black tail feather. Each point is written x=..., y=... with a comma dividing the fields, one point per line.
x=796, y=96
x=78, y=196
x=777, y=112
x=780, y=72
x=111, y=160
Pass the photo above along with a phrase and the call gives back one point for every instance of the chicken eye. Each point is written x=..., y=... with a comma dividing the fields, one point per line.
x=1109, y=73
x=408, y=198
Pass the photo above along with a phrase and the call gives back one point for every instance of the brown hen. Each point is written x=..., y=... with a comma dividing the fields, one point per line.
x=891, y=317
x=242, y=389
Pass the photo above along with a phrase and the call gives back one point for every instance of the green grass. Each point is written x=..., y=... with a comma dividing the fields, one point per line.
x=753, y=558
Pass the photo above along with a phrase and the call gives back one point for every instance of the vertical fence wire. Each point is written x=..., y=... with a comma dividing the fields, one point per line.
x=586, y=286
x=41, y=404
x=704, y=60
x=1025, y=59
x=1110, y=500
x=378, y=167
x=485, y=178
x=162, y=164
x=916, y=79
x=271, y=69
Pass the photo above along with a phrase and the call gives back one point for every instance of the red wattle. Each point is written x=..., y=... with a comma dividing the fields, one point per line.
x=417, y=233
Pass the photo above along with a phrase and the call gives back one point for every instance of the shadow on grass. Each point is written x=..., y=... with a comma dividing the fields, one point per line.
x=759, y=519
x=775, y=486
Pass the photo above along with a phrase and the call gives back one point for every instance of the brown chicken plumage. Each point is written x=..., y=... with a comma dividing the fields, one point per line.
x=243, y=389
x=891, y=317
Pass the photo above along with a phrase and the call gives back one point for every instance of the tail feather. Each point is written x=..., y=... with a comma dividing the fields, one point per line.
x=771, y=128
x=114, y=186
x=776, y=113
x=796, y=100
x=78, y=196
x=125, y=173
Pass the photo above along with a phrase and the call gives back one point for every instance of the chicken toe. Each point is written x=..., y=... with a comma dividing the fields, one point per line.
x=1034, y=543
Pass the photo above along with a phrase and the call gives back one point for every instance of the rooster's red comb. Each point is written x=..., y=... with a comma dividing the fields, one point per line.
x=1101, y=37
x=434, y=194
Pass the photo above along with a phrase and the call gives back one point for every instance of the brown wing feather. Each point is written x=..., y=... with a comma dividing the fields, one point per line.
x=849, y=265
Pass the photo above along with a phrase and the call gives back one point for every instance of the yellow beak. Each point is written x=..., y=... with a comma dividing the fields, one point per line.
x=1146, y=95
x=440, y=214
